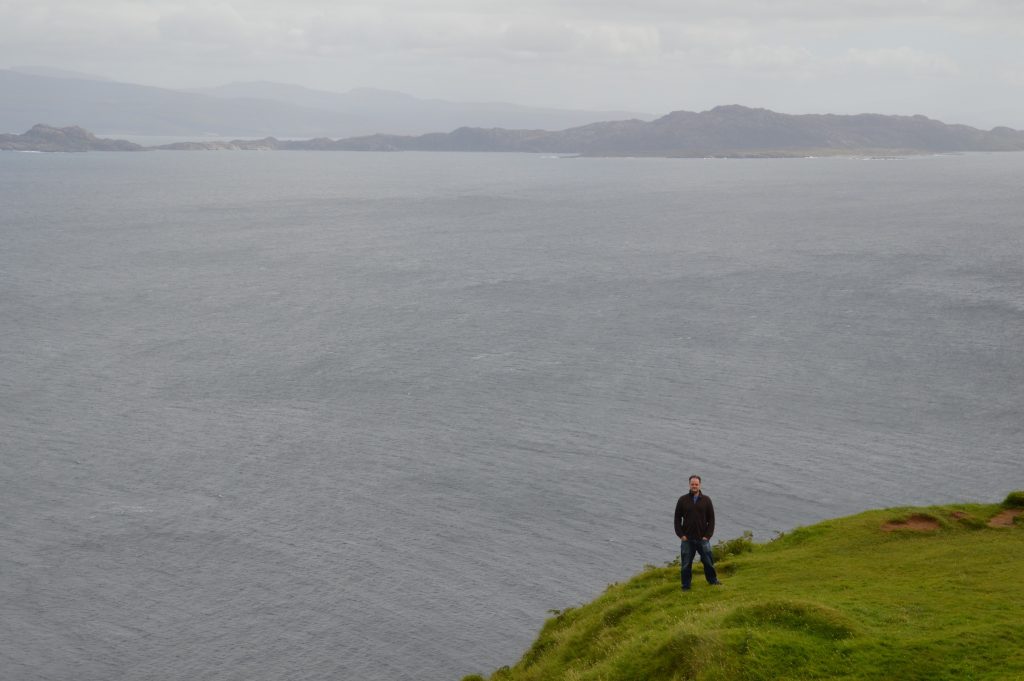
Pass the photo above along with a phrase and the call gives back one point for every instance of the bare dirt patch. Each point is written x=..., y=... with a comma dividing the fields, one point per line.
x=915, y=523
x=1005, y=518
x=960, y=515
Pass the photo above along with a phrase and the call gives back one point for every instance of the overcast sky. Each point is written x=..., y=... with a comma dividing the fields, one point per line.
x=961, y=61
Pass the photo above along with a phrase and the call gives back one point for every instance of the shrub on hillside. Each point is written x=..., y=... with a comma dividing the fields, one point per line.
x=1014, y=499
x=735, y=546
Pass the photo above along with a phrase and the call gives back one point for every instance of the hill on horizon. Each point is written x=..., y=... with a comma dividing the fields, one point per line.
x=60, y=98
x=730, y=130
x=401, y=113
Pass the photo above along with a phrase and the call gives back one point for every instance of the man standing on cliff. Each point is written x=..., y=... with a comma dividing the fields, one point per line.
x=695, y=523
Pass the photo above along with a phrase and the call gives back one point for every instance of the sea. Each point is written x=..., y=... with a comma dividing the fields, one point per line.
x=357, y=416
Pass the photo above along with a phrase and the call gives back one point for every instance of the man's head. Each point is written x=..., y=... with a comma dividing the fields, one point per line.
x=694, y=484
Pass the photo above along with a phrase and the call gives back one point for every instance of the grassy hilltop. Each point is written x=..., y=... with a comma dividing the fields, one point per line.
x=898, y=594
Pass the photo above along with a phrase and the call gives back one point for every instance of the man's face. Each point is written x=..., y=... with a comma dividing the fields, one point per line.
x=694, y=485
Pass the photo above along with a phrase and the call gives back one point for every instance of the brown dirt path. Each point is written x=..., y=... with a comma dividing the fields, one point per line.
x=915, y=523
x=1005, y=518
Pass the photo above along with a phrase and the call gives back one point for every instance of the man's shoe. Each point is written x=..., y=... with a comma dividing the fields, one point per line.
x=686, y=588
x=716, y=584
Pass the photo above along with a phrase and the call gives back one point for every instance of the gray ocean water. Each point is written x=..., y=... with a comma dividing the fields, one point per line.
x=370, y=416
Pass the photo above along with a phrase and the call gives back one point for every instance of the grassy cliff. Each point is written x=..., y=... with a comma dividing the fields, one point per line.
x=903, y=593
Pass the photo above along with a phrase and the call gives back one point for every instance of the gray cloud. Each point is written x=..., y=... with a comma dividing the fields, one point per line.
x=906, y=59
x=645, y=54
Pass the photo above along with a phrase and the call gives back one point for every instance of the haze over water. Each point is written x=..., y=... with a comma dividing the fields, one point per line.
x=355, y=416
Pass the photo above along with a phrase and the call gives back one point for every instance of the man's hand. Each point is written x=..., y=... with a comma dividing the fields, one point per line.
x=683, y=538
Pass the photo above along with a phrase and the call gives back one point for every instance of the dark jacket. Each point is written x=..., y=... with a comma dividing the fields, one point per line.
x=695, y=520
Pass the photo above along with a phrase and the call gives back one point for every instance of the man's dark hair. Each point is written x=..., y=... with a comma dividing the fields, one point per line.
x=694, y=476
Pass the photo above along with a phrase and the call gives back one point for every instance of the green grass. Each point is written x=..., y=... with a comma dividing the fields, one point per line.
x=842, y=599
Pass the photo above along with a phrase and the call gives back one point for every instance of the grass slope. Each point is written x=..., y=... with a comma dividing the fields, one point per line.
x=905, y=593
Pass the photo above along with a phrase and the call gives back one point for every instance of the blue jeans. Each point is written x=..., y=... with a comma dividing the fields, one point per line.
x=687, y=550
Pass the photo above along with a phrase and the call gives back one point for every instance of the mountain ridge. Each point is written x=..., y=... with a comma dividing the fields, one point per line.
x=728, y=131
x=392, y=110
x=60, y=98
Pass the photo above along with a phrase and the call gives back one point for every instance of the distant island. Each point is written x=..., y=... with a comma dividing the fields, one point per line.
x=47, y=138
x=726, y=131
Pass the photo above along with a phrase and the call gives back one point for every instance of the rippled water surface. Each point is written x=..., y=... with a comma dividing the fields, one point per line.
x=354, y=416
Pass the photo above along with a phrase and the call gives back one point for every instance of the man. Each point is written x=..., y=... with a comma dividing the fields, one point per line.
x=695, y=523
